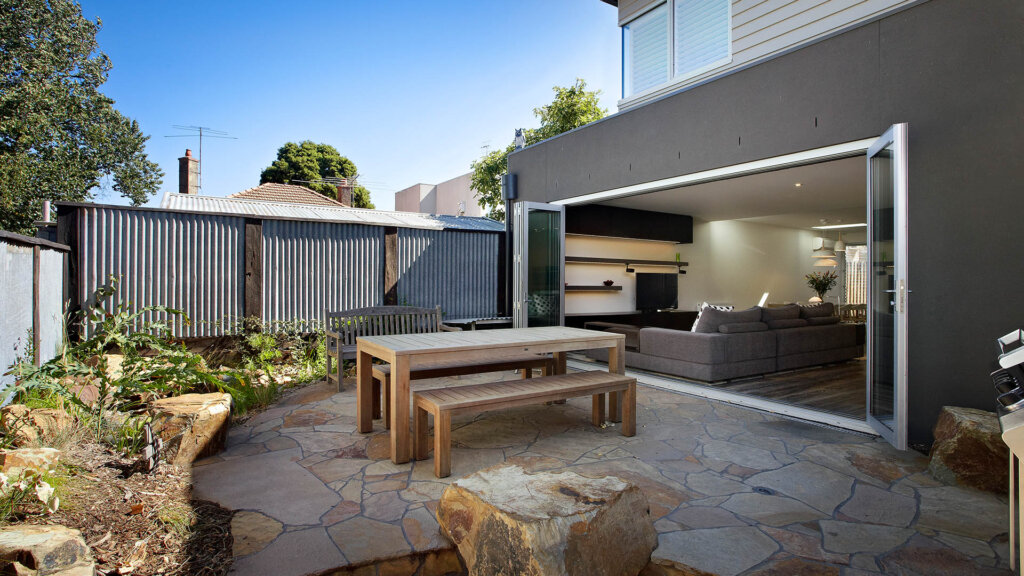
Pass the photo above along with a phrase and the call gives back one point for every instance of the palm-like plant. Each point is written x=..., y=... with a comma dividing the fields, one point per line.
x=822, y=282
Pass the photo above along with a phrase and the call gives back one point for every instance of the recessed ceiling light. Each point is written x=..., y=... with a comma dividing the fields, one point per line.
x=798, y=184
x=834, y=226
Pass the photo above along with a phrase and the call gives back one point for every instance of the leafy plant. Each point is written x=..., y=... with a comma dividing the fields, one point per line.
x=17, y=492
x=152, y=365
x=822, y=282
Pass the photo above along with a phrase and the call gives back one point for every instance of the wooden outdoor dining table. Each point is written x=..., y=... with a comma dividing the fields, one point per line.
x=415, y=351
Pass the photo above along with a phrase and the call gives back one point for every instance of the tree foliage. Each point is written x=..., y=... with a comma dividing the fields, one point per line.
x=306, y=163
x=59, y=135
x=572, y=107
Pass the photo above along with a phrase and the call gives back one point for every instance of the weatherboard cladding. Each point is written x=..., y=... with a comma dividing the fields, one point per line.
x=195, y=262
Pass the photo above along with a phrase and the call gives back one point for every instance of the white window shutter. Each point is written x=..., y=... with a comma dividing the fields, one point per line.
x=701, y=34
x=648, y=50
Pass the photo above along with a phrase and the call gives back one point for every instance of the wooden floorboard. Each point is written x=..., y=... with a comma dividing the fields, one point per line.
x=836, y=388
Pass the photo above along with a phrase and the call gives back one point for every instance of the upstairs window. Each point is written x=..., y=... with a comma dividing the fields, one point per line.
x=673, y=41
x=646, y=53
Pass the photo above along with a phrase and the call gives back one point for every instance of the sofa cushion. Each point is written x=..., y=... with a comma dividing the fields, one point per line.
x=822, y=320
x=787, y=323
x=704, y=306
x=815, y=338
x=741, y=327
x=711, y=318
x=818, y=310
x=787, y=312
x=707, y=348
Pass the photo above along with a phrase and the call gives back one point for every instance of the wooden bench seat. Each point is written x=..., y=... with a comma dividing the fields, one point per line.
x=382, y=375
x=441, y=403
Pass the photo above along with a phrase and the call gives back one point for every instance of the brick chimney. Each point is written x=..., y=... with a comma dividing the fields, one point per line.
x=188, y=174
x=345, y=188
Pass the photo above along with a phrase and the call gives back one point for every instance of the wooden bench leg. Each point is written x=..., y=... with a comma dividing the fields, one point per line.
x=597, y=415
x=615, y=406
x=442, y=444
x=376, y=398
x=387, y=402
x=421, y=437
x=527, y=373
x=629, y=410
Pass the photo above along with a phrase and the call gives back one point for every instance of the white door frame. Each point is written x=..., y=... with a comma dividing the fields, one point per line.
x=521, y=261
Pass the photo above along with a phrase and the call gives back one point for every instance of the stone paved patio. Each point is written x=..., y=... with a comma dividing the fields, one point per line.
x=732, y=491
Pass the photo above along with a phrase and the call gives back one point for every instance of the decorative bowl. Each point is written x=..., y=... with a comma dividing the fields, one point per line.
x=609, y=282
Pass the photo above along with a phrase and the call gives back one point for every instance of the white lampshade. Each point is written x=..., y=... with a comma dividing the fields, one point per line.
x=840, y=246
x=823, y=253
x=826, y=263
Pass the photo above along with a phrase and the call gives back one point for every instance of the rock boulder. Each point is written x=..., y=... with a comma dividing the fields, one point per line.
x=969, y=450
x=30, y=426
x=505, y=521
x=192, y=426
x=15, y=462
x=45, y=550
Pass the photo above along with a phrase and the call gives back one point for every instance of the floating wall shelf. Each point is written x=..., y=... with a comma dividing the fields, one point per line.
x=626, y=261
x=593, y=288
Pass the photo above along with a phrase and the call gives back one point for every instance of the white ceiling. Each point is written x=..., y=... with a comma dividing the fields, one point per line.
x=833, y=191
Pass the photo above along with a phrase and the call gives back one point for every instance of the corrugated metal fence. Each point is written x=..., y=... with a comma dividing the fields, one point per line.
x=31, y=295
x=196, y=263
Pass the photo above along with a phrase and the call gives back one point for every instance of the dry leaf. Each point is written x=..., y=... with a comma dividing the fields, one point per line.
x=137, y=509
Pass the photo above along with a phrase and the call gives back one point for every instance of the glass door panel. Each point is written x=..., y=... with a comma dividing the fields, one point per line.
x=887, y=290
x=539, y=271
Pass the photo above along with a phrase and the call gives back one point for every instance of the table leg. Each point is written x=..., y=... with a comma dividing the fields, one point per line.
x=400, y=410
x=616, y=364
x=560, y=368
x=364, y=391
x=597, y=411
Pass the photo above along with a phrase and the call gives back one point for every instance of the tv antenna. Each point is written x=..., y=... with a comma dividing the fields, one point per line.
x=200, y=131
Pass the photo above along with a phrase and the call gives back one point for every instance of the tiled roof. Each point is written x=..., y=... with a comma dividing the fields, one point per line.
x=272, y=192
x=292, y=211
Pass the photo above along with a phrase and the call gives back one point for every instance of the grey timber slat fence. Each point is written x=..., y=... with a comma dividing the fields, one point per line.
x=291, y=270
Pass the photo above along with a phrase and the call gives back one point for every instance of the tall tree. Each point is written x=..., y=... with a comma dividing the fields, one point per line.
x=572, y=107
x=307, y=163
x=59, y=135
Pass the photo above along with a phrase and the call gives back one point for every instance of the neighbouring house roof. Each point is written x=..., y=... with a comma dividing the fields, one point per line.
x=290, y=193
x=292, y=211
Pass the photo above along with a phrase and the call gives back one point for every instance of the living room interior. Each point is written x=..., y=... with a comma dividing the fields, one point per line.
x=754, y=240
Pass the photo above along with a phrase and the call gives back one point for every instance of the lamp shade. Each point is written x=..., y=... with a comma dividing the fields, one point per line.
x=826, y=263
x=823, y=253
x=840, y=246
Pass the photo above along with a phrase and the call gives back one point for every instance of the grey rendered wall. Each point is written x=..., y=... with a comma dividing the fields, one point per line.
x=952, y=70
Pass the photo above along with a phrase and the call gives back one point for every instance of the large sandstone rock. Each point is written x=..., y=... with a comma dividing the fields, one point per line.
x=16, y=462
x=192, y=426
x=44, y=551
x=969, y=450
x=505, y=521
x=30, y=426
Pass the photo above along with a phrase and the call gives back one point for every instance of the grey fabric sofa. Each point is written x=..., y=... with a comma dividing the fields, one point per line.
x=733, y=345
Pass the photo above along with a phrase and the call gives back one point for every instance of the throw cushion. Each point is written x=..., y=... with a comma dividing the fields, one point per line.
x=741, y=327
x=786, y=323
x=822, y=320
x=704, y=306
x=787, y=312
x=818, y=310
x=711, y=319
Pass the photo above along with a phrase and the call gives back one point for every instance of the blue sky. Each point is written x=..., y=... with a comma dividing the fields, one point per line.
x=409, y=90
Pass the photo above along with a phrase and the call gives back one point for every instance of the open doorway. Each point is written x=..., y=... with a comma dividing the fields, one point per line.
x=756, y=237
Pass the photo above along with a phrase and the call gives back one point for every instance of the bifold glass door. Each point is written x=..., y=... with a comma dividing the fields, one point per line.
x=887, y=286
x=538, y=270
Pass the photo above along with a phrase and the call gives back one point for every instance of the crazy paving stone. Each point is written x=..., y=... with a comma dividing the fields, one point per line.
x=386, y=506
x=313, y=442
x=379, y=447
x=771, y=510
x=968, y=546
x=705, y=517
x=423, y=532
x=311, y=394
x=796, y=567
x=962, y=511
x=876, y=506
x=422, y=491
x=280, y=443
x=535, y=463
x=290, y=494
x=343, y=511
x=850, y=537
x=804, y=545
x=702, y=550
x=809, y=483
x=385, y=486
x=739, y=454
x=303, y=417
x=653, y=451
x=491, y=432
x=364, y=540
x=298, y=553
x=334, y=469
x=925, y=556
x=252, y=531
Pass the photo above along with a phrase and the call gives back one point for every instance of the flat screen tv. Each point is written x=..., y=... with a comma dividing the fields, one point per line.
x=656, y=291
